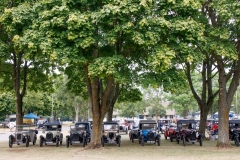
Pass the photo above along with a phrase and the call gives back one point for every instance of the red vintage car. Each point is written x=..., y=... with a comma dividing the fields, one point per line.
x=171, y=132
x=187, y=132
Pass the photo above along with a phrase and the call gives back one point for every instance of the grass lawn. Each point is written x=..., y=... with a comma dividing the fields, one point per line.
x=128, y=151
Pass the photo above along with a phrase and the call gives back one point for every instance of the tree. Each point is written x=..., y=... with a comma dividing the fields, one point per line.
x=106, y=38
x=183, y=102
x=22, y=67
x=222, y=44
x=7, y=103
x=131, y=109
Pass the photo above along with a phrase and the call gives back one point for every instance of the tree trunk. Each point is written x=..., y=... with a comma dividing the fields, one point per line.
x=19, y=114
x=110, y=114
x=203, y=120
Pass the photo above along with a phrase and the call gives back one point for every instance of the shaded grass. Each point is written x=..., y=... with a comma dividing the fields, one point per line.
x=128, y=151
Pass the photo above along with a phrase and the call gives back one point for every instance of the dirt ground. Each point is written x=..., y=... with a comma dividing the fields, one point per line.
x=128, y=151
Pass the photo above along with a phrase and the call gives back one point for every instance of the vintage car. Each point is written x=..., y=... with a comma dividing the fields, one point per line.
x=148, y=132
x=234, y=131
x=110, y=133
x=23, y=135
x=171, y=132
x=123, y=127
x=80, y=133
x=134, y=134
x=163, y=124
x=52, y=134
x=186, y=131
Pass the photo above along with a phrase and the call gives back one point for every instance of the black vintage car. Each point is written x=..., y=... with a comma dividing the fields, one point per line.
x=110, y=133
x=186, y=131
x=134, y=134
x=52, y=134
x=234, y=131
x=80, y=133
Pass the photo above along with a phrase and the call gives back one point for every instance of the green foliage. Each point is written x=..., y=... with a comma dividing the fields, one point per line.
x=7, y=103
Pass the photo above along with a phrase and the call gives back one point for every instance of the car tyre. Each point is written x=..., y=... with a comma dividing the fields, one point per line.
x=184, y=140
x=10, y=142
x=34, y=140
x=236, y=141
x=84, y=139
x=158, y=139
x=67, y=142
x=171, y=137
x=165, y=136
x=57, y=142
x=177, y=139
x=27, y=141
x=200, y=140
x=41, y=142
x=102, y=141
x=142, y=141
x=119, y=141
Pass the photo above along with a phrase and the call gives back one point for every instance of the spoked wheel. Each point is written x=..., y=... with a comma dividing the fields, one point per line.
x=200, y=140
x=158, y=139
x=236, y=141
x=67, y=142
x=10, y=142
x=171, y=137
x=27, y=141
x=184, y=141
x=102, y=141
x=57, y=142
x=142, y=141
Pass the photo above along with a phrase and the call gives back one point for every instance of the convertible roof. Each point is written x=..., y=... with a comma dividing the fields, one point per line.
x=113, y=122
x=147, y=122
x=234, y=121
x=82, y=123
x=186, y=121
x=53, y=123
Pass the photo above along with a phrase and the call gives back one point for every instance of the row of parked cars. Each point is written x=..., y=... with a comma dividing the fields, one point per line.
x=147, y=131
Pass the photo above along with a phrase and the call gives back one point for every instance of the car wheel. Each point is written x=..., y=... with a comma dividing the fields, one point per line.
x=171, y=137
x=41, y=142
x=57, y=142
x=67, y=142
x=119, y=141
x=102, y=141
x=236, y=141
x=142, y=141
x=10, y=142
x=158, y=139
x=27, y=141
x=184, y=140
x=200, y=140
x=34, y=140
x=177, y=139
x=84, y=139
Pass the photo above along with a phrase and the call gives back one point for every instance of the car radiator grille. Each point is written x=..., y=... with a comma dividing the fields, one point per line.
x=192, y=135
x=19, y=136
x=151, y=136
x=49, y=136
x=111, y=135
x=75, y=137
